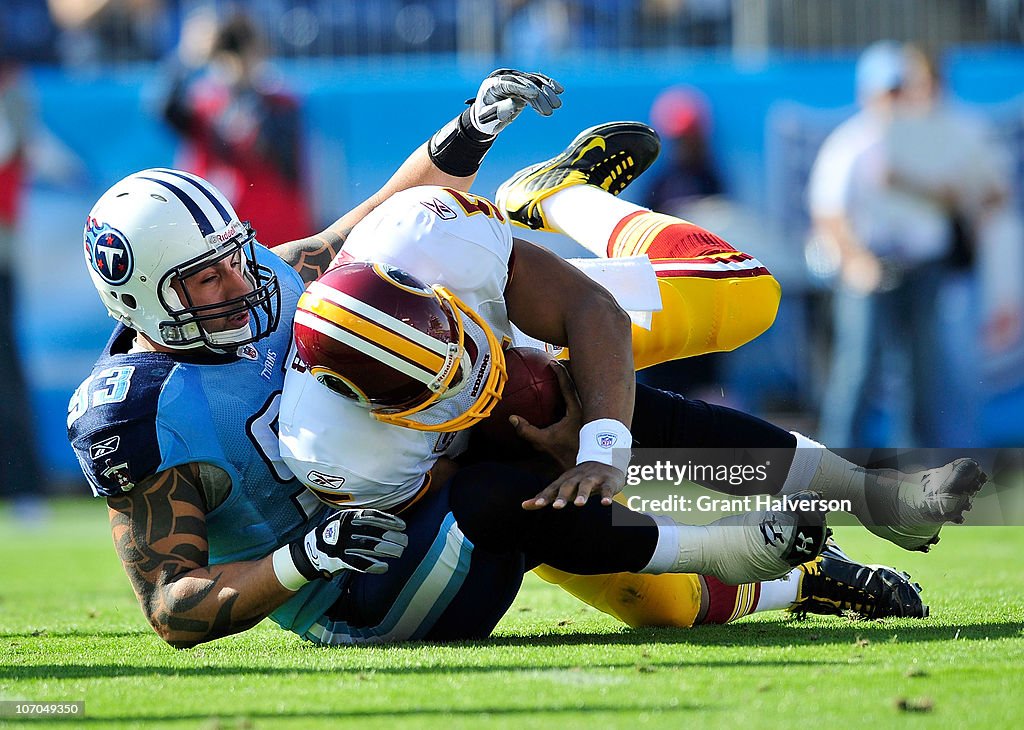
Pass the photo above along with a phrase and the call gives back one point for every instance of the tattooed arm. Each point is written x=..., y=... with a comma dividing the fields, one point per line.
x=159, y=530
x=312, y=256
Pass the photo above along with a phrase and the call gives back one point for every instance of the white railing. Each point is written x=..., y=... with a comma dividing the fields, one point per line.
x=499, y=28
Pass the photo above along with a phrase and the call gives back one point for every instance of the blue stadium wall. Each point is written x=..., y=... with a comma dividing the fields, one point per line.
x=363, y=119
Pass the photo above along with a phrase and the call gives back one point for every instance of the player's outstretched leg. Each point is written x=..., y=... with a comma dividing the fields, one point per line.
x=713, y=297
x=905, y=509
x=609, y=156
x=744, y=548
x=832, y=584
x=595, y=539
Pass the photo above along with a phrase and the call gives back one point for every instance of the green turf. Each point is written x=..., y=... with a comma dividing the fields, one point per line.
x=70, y=630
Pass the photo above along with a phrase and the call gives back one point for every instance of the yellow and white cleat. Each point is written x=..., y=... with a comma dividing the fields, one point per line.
x=609, y=156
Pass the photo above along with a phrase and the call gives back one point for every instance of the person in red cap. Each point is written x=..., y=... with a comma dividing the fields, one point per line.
x=681, y=116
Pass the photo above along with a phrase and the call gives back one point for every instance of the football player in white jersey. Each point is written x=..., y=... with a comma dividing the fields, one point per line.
x=459, y=242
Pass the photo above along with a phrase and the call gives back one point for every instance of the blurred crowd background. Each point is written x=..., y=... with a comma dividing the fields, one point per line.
x=869, y=152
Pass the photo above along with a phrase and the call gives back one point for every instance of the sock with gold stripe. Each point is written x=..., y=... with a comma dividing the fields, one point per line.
x=662, y=236
x=727, y=603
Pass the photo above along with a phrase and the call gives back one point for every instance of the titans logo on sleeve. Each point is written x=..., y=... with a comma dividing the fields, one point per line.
x=109, y=253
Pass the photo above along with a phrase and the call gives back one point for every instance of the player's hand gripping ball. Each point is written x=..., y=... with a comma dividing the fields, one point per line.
x=532, y=392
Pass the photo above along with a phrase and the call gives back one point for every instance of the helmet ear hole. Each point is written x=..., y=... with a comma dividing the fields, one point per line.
x=129, y=301
x=338, y=385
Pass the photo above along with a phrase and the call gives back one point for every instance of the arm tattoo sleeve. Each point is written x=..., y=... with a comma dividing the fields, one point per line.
x=159, y=531
x=312, y=256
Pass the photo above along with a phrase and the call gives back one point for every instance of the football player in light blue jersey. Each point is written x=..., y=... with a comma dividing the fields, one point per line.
x=176, y=425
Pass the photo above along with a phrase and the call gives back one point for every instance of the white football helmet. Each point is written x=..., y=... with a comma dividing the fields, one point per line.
x=159, y=225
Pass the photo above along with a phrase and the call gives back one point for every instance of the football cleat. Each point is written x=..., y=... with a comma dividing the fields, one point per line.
x=769, y=544
x=910, y=509
x=609, y=156
x=833, y=585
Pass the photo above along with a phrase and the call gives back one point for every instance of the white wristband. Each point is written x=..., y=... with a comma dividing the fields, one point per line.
x=284, y=568
x=606, y=441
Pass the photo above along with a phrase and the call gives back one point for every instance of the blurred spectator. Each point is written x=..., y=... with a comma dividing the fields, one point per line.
x=100, y=31
x=681, y=116
x=535, y=31
x=888, y=190
x=242, y=130
x=27, y=32
x=942, y=153
x=19, y=465
x=685, y=179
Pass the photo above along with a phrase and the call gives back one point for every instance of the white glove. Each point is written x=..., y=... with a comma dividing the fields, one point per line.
x=506, y=92
x=362, y=540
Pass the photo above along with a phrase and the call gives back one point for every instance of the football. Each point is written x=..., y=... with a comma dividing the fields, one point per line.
x=531, y=392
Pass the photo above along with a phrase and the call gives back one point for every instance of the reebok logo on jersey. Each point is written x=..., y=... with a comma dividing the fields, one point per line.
x=104, y=447
x=327, y=481
x=439, y=209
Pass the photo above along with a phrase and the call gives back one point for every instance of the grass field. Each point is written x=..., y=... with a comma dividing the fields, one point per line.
x=70, y=629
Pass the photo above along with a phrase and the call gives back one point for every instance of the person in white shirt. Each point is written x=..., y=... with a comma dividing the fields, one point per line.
x=884, y=191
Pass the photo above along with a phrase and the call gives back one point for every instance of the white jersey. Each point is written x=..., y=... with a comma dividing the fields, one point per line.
x=440, y=236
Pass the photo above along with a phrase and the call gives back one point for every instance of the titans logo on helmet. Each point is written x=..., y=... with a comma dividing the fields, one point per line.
x=109, y=253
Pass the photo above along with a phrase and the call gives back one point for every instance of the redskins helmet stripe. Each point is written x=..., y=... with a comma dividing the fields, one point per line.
x=384, y=319
x=488, y=373
x=370, y=331
x=415, y=356
x=367, y=347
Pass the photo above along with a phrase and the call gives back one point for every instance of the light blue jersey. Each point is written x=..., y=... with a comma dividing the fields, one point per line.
x=142, y=413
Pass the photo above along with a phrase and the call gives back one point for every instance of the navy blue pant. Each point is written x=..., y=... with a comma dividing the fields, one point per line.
x=442, y=588
x=469, y=545
x=470, y=542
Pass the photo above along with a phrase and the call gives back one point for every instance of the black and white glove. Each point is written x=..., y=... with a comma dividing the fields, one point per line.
x=362, y=540
x=459, y=147
x=506, y=92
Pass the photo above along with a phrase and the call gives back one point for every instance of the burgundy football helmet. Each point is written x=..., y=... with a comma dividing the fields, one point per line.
x=375, y=334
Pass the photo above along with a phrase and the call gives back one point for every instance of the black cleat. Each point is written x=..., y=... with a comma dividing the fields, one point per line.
x=834, y=585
